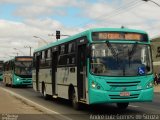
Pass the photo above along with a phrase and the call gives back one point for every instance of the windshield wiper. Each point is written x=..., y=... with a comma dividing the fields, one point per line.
x=115, y=55
x=131, y=53
x=112, y=49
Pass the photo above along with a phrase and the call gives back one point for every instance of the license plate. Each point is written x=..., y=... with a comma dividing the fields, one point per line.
x=125, y=94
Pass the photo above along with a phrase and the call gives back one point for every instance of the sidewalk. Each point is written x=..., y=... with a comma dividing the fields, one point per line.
x=9, y=104
x=14, y=107
x=157, y=88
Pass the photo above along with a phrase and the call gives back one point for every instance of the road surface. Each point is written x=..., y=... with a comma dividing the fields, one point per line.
x=61, y=109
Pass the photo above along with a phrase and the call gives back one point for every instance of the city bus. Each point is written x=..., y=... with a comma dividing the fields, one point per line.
x=97, y=66
x=1, y=70
x=18, y=71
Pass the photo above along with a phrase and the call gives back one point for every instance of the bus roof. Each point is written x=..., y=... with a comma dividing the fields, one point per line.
x=86, y=33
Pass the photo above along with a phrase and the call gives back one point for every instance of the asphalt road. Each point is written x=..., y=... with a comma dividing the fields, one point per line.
x=63, y=107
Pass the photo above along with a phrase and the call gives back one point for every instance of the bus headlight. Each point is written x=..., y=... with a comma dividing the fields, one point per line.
x=150, y=84
x=18, y=79
x=95, y=85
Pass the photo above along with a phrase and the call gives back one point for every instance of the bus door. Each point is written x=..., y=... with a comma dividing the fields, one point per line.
x=37, y=72
x=81, y=69
x=54, y=68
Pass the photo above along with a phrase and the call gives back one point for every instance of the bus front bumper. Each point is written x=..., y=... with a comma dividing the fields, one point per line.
x=100, y=96
x=23, y=82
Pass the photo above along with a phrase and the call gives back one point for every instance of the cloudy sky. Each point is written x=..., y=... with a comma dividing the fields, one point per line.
x=20, y=20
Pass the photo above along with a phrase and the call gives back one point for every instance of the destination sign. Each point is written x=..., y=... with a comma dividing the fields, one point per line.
x=118, y=36
x=24, y=59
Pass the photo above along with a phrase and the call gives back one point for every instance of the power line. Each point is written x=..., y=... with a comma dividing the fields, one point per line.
x=117, y=11
x=122, y=8
x=152, y=2
x=127, y=9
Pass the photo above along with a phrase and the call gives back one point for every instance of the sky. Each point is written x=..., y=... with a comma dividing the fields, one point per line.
x=22, y=20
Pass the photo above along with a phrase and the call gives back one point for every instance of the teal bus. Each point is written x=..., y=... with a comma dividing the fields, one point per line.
x=1, y=70
x=18, y=71
x=97, y=66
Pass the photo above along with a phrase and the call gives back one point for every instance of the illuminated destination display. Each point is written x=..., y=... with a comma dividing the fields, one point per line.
x=118, y=36
x=24, y=59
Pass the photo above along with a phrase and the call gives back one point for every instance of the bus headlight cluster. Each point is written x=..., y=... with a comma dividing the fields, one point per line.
x=95, y=85
x=150, y=84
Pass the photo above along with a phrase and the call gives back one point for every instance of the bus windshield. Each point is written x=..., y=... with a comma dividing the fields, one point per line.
x=117, y=59
x=23, y=67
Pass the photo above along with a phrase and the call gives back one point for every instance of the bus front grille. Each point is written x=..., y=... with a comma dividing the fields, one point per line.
x=24, y=79
x=123, y=84
x=133, y=96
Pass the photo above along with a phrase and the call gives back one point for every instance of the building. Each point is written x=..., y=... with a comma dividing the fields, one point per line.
x=155, y=46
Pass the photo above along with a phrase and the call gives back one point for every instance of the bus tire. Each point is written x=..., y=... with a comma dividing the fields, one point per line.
x=75, y=103
x=122, y=106
x=13, y=86
x=44, y=94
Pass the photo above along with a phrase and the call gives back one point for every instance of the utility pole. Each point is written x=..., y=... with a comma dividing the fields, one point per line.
x=30, y=48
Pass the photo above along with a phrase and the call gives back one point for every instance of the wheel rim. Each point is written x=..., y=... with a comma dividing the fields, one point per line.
x=74, y=99
x=75, y=103
x=44, y=92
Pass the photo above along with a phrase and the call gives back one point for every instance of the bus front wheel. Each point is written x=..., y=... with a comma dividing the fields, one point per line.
x=122, y=105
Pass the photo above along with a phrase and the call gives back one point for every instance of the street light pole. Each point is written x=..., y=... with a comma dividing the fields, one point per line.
x=29, y=49
x=41, y=39
x=152, y=2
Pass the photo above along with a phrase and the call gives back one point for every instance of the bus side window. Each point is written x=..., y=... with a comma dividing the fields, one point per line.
x=71, y=47
x=48, y=59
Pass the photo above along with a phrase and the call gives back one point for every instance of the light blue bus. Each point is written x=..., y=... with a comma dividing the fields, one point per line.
x=97, y=66
x=18, y=71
